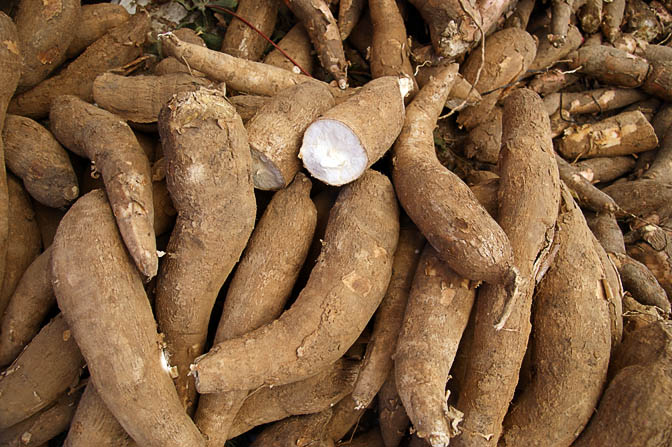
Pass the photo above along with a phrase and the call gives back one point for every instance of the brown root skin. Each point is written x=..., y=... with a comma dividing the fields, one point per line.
x=613, y=288
x=521, y=15
x=378, y=361
x=140, y=98
x=242, y=41
x=418, y=176
x=562, y=10
x=641, y=283
x=253, y=299
x=118, y=47
x=392, y=415
x=453, y=30
x=239, y=74
x=629, y=412
x=322, y=28
x=610, y=65
x=32, y=153
x=527, y=213
x=622, y=134
x=349, y=13
x=641, y=346
x=142, y=397
x=43, y=426
x=591, y=101
x=94, y=22
x=355, y=267
x=438, y=309
x=590, y=16
x=310, y=429
x=604, y=169
x=48, y=366
x=307, y=396
x=652, y=251
x=45, y=32
x=389, y=48
x=297, y=44
x=583, y=191
x=641, y=198
x=248, y=105
x=611, y=19
x=552, y=81
x=369, y=122
x=33, y=298
x=93, y=424
x=484, y=141
x=548, y=54
x=25, y=241
x=605, y=228
x=276, y=131
x=661, y=166
x=508, y=54
x=572, y=341
x=10, y=72
x=92, y=132
x=208, y=176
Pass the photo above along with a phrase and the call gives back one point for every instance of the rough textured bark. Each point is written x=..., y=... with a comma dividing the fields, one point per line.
x=32, y=300
x=134, y=383
x=111, y=145
x=49, y=365
x=297, y=44
x=389, y=48
x=342, y=293
x=438, y=309
x=93, y=424
x=253, y=299
x=378, y=361
x=392, y=415
x=45, y=32
x=25, y=242
x=322, y=28
x=115, y=49
x=622, y=134
x=208, y=176
x=439, y=203
x=572, y=341
x=453, y=30
x=42, y=426
x=94, y=22
x=140, y=98
x=10, y=71
x=527, y=212
x=32, y=153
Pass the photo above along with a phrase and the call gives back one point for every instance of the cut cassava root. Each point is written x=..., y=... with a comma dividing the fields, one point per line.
x=347, y=139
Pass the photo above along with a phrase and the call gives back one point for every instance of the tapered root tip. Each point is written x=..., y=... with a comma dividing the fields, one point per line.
x=332, y=152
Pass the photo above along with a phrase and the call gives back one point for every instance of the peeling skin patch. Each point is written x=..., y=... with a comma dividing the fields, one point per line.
x=11, y=46
x=357, y=283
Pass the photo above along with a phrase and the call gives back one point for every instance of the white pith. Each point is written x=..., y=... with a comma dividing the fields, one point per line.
x=332, y=152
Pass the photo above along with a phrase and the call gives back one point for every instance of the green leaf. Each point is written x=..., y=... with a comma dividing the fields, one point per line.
x=213, y=41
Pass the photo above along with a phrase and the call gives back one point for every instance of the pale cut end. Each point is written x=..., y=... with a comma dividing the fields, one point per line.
x=333, y=153
x=405, y=86
x=265, y=174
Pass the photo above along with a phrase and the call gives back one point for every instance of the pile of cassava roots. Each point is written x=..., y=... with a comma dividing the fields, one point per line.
x=404, y=223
